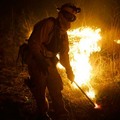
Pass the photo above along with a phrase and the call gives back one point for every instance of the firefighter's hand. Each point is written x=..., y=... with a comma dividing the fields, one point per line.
x=70, y=75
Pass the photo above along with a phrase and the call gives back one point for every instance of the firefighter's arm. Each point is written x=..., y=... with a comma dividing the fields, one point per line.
x=64, y=60
x=45, y=36
x=37, y=39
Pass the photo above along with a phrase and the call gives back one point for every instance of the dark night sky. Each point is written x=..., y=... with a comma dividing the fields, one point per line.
x=31, y=5
x=93, y=11
x=14, y=14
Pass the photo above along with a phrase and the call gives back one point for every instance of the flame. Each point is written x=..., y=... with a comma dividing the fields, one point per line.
x=83, y=42
x=91, y=94
x=117, y=41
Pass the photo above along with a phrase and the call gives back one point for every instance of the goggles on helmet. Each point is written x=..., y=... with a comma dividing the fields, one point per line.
x=68, y=16
x=72, y=6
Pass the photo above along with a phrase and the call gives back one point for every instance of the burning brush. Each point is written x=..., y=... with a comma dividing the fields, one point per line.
x=95, y=105
x=83, y=42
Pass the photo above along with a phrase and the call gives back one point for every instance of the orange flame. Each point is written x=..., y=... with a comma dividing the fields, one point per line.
x=83, y=42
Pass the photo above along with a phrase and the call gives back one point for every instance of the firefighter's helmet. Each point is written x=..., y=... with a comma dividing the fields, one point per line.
x=69, y=10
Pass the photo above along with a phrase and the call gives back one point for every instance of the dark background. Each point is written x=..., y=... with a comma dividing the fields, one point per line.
x=17, y=18
x=103, y=9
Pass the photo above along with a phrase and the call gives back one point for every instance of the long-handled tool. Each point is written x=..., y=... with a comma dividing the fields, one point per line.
x=84, y=94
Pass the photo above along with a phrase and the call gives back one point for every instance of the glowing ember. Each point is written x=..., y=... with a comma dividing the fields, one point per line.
x=83, y=42
x=97, y=106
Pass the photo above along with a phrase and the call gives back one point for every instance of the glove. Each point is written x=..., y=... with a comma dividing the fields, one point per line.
x=70, y=75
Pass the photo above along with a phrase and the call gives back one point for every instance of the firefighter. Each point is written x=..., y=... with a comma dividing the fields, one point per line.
x=49, y=38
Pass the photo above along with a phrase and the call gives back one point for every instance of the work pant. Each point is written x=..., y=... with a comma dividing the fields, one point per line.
x=52, y=81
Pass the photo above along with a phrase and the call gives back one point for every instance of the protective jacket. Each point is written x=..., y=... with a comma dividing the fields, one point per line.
x=48, y=39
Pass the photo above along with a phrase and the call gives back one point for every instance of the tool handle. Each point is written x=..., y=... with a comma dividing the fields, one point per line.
x=84, y=94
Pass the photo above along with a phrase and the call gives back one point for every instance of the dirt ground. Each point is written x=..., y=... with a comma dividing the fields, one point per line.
x=17, y=103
